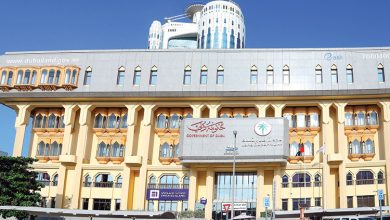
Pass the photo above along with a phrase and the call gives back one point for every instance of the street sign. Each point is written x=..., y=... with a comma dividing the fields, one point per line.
x=380, y=194
x=203, y=201
x=266, y=202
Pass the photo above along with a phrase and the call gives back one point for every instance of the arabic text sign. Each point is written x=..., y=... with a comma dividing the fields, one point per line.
x=167, y=194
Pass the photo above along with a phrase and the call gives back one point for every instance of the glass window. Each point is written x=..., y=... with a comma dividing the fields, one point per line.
x=153, y=77
x=10, y=76
x=317, y=202
x=85, y=203
x=285, y=181
x=101, y=204
x=116, y=150
x=381, y=74
x=19, y=78
x=98, y=121
x=349, y=201
x=317, y=180
x=112, y=121
x=373, y=120
x=162, y=121
x=187, y=77
x=361, y=119
x=301, y=180
x=55, y=180
x=58, y=77
x=356, y=148
x=150, y=205
x=124, y=121
x=167, y=206
x=67, y=76
x=364, y=178
x=41, y=149
x=120, y=78
x=349, y=74
x=137, y=77
x=301, y=120
x=348, y=119
x=51, y=77
x=318, y=75
x=270, y=75
x=203, y=77
x=88, y=78
x=314, y=120
x=380, y=178
x=299, y=201
x=55, y=149
x=117, y=204
x=349, y=179
x=26, y=79
x=284, y=204
x=369, y=147
x=253, y=76
x=334, y=75
x=38, y=121
x=366, y=201
x=103, y=150
x=286, y=75
x=220, y=77
x=52, y=121
x=74, y=75
x=165, y=150
x=34, y=77
x=44, y=76
x=308, y=148
x=3, y=77
x=294, y=149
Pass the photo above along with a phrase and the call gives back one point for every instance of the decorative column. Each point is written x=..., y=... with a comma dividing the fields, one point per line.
x=326, y=131
x=262, y=108
x=82, y=142
x=69, y=117
x=146, y=130
x=278, y=183
x=209, y=193
x=343, y=150
x=385, y=109
x=278, y=109
x=213, y=110
x=131, y=122
x=260, y=193
x=197, y=110
x=193, y=189
x=22, y=118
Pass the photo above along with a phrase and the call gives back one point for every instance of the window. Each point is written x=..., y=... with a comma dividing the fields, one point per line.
x=103, y=150
x=348, y=119
x=117, y=204
x=365, y=201
x=88, y=76
x=167, y=206
x=101, y=204
x=26, y=79
x=186, y=182
x=317, y=180
x=203, y=75
x=381, y=73
x=301, y=180
x=87, y=181
x=58, y=77
x=152, y=182
x=43, y=178
x=51, y=77
x=117, y=150
x=220, y=75
x=169, y=182
x=350, y=201
x=19, y=77
x=184, y=206
x=165, y=150
x=318, y=74
x=294, y=149
x=284, y=204
x=349, y=179
x=67, y=76
x=3, y=77
x=317, y=202
x=153, y=76
x=334, y=74
x=187, y=76
x=308, y=151
x=119, y=181
x=299, y=201
x=285, y=181
x=373, y=118
x=137, y=76
x=85, y=203
x=174, y=121
x=381, y=180
x=364, y=178
x=368, y=147
x=349, y=74
x=286, y=74
x=253, y=76
x=121, y=76
x=150, y=205
x=10, y=76
x=270, y=75
x=103, y=181
x=74, y=75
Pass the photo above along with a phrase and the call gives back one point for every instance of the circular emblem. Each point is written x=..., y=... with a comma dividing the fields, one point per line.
x=263, y=128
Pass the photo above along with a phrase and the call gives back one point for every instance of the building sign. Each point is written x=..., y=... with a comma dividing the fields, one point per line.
x=212, y=140
x=167, y=194
x=241, y=206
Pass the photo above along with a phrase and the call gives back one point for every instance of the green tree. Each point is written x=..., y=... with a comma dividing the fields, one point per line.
x=18, y=186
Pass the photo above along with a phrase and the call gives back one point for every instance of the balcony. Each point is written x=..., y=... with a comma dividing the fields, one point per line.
x=24, y=87
x=103, y=184
x=304, y=159
x=5, y=88
x=365, y=154
x=168, y=186
x=48, y=87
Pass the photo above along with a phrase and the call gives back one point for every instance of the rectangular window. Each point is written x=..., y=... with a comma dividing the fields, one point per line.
x=317, y=202
x=284, y=204
x=203, y=77
x=101, y=204
x=184, y=206
x=53, y=202
x=381, y=75
x=151, y=205
x=349, y=76
x=187, y=77
x=366, y=201
x=254, y=76
x=88, y=78
x=85, y=203
x=167, y=206
x=220, y=77
x=137, y=78
x=350, y=201
x=301, y=201
x=153, y=78
x=318, y=76
x=334, y=75
x=121, y=78
x=117, y=204
x=270, y=77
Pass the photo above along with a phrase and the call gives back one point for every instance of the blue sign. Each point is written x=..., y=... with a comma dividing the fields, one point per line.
x=167, y=194
x=203, y=201
x=380, y=194
x=266, y=202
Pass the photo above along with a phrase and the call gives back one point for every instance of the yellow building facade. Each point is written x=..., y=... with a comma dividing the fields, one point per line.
x=103, y=145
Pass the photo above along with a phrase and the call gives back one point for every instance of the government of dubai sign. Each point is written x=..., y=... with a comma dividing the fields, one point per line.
x=212, y=140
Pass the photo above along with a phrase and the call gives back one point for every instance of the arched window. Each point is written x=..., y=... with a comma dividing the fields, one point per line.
x=334, y=74
x=348, y=119
x=270, y=75
x=169, y=182
x=356, y=149
x=301, y=180
x=137, y=76
x=3, y=77
x=121, y=76
x=349, y=74
x=58, y=77
x=286, y=74
x=381, y=73
x=55, y=180
x=369, y=148
x=44, y=76
x=308, y=148
x=381, y=179
x=224, y=115
x=187, y=76
x=285, y=181
x=112, y=121
x=203, y=75
x=87, y=181
x=67, y=76
x=119, y=181
x=34, y=77
x=174, y=121
x=38, y=121
x=220, y=75
x=177, y=150
x=104, y=180
x=361, y=119
x=164, y=150
x=364, y=178
x=294, y=149
x=373, y=118
x=10, y=77
x=54, y=149
x=317, y=180
x=74, y=75
x=88, y=76
x=47, y=149
x=186, y=182
x=124, y=121
x=43, y=178
x=116, y=150
x=238, y=115
x=98, y=121
x=50, y=80
x=349, y=179
x=19, y=77
x=52, y=121
x=153, y=76
x=161, y=121
x=41, y=149
x=232, y=43
x=318, y=74
x=103, y=150
x=254, y=75
x=152, y=182
x=189, y=115
x=314, y=120
x=26, y=79
x=224, y=38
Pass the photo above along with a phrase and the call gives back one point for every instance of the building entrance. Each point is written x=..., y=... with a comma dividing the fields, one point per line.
x=244, y=196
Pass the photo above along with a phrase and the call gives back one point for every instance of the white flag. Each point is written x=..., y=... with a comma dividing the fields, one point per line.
x=321, y=150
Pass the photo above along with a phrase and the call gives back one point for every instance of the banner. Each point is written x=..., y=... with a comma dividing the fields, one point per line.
x=167, y=194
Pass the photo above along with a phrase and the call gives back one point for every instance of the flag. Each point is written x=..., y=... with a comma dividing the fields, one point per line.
x=322, y=149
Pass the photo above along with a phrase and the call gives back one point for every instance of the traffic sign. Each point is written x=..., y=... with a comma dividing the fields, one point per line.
x=380, y=194
x=266, y=202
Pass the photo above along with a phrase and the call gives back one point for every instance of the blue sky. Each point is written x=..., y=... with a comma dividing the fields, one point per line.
x=123, y=24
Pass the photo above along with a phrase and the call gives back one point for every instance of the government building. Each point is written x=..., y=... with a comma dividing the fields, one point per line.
x=158, y=129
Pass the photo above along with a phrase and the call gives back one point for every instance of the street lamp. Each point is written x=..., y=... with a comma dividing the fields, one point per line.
x=234, y=170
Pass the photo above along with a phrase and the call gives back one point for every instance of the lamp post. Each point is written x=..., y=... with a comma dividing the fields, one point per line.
x=234, y=170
